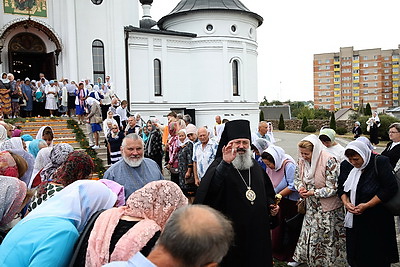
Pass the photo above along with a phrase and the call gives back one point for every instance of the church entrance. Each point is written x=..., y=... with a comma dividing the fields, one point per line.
x=28, y=57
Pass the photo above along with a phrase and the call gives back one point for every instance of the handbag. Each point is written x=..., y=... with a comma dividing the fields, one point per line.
x=98, y=119
x=190, y=180
x=301, y=206
x=174, y=170
x=22, y=102
x=393, y=205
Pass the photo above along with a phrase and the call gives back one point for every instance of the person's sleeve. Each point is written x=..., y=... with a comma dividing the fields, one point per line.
x=298, y=183
x=345, y=168
x=331, y=180
x=108, y=175
x=290, y=170
x=194, y=158
x=387, y=180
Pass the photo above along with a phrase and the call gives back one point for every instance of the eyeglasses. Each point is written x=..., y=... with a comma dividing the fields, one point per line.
x=392, y=132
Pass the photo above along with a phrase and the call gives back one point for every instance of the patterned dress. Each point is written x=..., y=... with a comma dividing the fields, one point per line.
x=322, y=238
x=37, y=199
x=184, y=162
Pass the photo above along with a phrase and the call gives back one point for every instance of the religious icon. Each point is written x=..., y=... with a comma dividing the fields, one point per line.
x=36, y=8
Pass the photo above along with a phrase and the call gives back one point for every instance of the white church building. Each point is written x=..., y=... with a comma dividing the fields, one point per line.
x=199, y=59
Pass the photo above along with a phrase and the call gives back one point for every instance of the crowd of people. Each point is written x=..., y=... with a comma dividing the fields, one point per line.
x=245, y=192
x=42, y=97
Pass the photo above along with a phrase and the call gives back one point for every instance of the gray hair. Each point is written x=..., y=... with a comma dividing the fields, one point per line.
x=395, y=125
x=132, y=136
x=187, y=118
x=196, y=235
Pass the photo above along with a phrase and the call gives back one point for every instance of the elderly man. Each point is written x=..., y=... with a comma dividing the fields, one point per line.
x=203, y=154
x=134, y=171
x=194, y=235
x=262, y=132
x=238, y=187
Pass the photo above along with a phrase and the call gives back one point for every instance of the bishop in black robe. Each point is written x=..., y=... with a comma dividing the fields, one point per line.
x=223, y=188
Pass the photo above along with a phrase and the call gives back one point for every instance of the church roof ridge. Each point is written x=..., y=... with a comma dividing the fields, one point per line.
x=186, y=6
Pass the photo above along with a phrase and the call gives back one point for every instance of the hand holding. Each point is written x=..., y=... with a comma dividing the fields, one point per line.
x=274, y=209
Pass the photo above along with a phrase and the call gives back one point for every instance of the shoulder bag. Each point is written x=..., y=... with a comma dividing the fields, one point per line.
x=393, y=205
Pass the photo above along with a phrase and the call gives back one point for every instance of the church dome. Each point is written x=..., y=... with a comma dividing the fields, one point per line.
x=189, y=6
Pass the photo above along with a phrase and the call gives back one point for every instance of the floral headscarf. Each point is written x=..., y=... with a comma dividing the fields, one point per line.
x=13, y=143
x=58, y=156
x=155, y=202
x=3, y=133
x=172, y=127
x=12, y=194
x=78, y=166
x=8, y=166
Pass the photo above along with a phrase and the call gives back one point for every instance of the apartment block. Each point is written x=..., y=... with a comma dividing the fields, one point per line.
x=352, y=78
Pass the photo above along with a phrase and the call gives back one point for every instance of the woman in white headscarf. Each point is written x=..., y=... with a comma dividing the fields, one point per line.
x=46, y=133
x=322, y=237
x=372, y=124
x=13, y=143
x=281, y=170
x=48, y=234
x=370, y=227
x=41, y=160
x=94, y=118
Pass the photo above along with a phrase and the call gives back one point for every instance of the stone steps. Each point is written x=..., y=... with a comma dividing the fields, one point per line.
x=62, y=134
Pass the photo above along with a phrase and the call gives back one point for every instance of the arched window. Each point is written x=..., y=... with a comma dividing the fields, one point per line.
x=235, y=77
x=98, y=60
x=157, y=78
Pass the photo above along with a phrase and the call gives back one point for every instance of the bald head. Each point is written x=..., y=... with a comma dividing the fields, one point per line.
x=262, y=127
x=203, y=135
x=197, y=235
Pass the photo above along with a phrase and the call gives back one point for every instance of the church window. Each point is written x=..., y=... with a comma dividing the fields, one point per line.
x=97, y=2
x=157, y=77
x=209, y=27
x=98, y=60
x=235, y=77
x=233, y=28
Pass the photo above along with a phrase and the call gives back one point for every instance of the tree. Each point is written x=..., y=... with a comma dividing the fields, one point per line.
x=261, y=115
x=332, y=123
x=281, y=125
x=368, y=111
x=304, y=123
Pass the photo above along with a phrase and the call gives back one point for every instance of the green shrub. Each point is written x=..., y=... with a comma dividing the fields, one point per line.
x=261, y=115
x=310, y=129
x=385, y=120
x=304, y=124
x=367, y=111
x=281, y=125
x=332, y=123
x=341, y=130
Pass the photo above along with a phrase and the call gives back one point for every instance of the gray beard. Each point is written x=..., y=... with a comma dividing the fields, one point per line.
x=243, y=161
x=132, y=162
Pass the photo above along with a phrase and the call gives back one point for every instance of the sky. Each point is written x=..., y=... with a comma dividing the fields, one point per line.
x=293, y=31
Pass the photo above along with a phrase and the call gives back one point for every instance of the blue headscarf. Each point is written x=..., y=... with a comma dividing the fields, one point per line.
x=27, y=137
x=34, y=146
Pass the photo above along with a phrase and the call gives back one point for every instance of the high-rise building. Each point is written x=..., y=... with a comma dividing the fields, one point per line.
x=352, y=78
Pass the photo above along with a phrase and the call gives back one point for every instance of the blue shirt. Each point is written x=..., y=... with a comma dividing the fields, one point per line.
x=46, y=241
x=133, y=178
x=204, y=157
x=137, y=260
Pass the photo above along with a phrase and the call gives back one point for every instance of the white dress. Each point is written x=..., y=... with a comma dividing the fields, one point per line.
x=51, y=100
